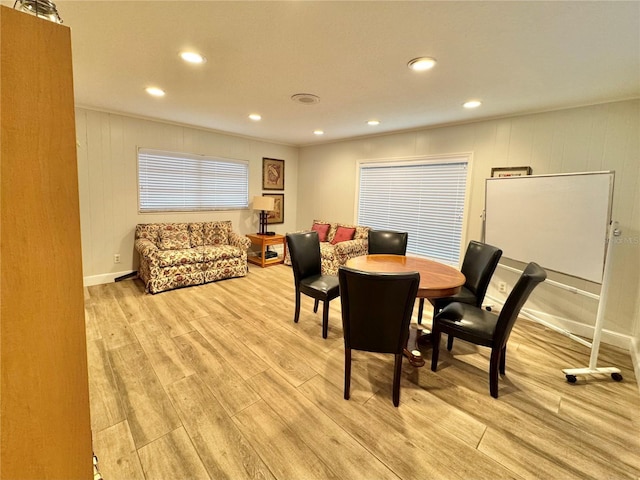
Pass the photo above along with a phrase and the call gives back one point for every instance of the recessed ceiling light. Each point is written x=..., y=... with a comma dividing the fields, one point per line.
x=472, y=104
x=156, y=92
x=255, y=117
x=421, y=64
x=318, y=132
x=373, y=122
x=192, y=57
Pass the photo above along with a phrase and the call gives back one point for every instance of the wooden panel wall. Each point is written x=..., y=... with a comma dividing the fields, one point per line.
x=593, y=138
x=45, y=426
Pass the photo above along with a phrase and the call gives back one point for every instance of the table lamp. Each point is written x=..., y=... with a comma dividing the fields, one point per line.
x=263, y=204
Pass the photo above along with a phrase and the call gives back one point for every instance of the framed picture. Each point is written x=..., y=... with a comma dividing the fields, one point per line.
x=510, y=171
x=277, y=215
x=272, y=174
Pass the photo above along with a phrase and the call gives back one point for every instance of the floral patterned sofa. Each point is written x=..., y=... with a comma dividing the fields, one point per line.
x=338, y=243
x=174, y=255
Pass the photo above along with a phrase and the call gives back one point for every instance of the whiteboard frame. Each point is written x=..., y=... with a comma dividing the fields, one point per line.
x=610, y=173
x=612, y=230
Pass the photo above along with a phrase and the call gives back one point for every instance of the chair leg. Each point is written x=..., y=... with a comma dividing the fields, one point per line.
x=420, y=308
x=503, y=359
x=315, y=305
x=296, y=316
x=397, y=373
x=494, y=366
x=450, y=342
x=435, y=350
x=325, y=318
x=347, y=373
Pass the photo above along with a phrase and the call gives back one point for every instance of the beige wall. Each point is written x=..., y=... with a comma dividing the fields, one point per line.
x=107, y=168
x=601, y=137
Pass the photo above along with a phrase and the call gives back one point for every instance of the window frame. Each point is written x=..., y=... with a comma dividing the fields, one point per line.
x=241, y=205
x=465, y=157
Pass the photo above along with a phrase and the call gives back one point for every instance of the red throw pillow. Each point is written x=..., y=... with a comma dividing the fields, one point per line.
x=343, y=234
x=322, y=229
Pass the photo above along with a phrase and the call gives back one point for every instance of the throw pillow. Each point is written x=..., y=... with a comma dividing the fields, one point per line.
x=216, y=233
x=174, y=236
x=343, y=234
x=322, y=229
x=196, y=232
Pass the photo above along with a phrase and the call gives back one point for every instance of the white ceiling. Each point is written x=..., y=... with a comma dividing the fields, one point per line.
x=517, y=57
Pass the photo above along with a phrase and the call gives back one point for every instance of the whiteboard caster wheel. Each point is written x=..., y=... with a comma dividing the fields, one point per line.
x=571, y=378
x=616, y=376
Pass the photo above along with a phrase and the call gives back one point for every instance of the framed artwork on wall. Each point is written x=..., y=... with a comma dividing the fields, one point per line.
x=277, y=215
x=502, y=172
x=272, y=174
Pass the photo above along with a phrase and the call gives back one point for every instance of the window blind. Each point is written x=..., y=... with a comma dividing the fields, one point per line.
x=425, y=199
x=181, y=182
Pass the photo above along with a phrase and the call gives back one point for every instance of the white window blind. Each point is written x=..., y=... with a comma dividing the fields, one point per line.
x=181, y=182
x=425, y=199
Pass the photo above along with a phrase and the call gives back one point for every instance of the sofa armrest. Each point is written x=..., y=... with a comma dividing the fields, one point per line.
x=349, y=249
x=147, y=249
x=240, y=241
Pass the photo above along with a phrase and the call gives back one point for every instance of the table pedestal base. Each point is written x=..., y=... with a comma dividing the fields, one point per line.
x=418, y=338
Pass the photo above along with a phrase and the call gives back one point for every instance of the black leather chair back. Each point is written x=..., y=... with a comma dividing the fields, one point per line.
x=305, y=254
x=387, y=241
x=480, y=261
x=529, y=279
x=376, y=309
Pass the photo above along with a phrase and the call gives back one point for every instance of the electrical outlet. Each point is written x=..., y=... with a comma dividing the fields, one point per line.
x=502, y=287
x=116, y=258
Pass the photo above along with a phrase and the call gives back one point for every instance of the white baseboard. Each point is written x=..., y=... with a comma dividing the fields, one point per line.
x=609, y=337
x=635, y=359
x=104, y=278
x=626, y=342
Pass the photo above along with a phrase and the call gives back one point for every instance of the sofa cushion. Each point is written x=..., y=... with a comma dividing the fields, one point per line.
x=214, y=253
x=216, y=233
x=174, y=236
x=187, y=256
x=196, y=234
x=148, y=231
x=322, y=229
x=343, y=234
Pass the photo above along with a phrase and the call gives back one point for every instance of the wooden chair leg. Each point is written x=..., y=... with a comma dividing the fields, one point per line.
x=315, y=305
x=494, y=366
x=420, y=308
x=397, y=373
x=450, y=342
x=296, y=316
x=503, y=359
x=325, y=318
x=347, y=373
x=435, y=350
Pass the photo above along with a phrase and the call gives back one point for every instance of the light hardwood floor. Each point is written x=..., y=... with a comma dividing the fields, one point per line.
x=216, y=381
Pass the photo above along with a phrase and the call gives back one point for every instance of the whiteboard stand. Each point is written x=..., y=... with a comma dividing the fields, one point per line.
x=592, y=369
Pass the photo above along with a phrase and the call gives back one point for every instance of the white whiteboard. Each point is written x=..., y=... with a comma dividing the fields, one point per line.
x=557, y=221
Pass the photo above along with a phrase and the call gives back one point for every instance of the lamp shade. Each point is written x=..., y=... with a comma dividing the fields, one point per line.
x=264, y=203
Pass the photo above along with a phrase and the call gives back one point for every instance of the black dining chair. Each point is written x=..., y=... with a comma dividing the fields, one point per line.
x=306, y=262
x=479, y=264
x=480, y=327
x=376, y=312
x=387, y=241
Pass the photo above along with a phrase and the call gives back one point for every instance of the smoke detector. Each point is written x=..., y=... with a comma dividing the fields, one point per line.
x=305, y=98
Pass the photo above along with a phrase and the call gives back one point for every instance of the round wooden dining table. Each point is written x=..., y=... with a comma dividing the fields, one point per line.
x=437, y=280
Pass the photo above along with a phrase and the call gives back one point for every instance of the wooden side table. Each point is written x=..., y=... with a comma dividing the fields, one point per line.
x=264, y=241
